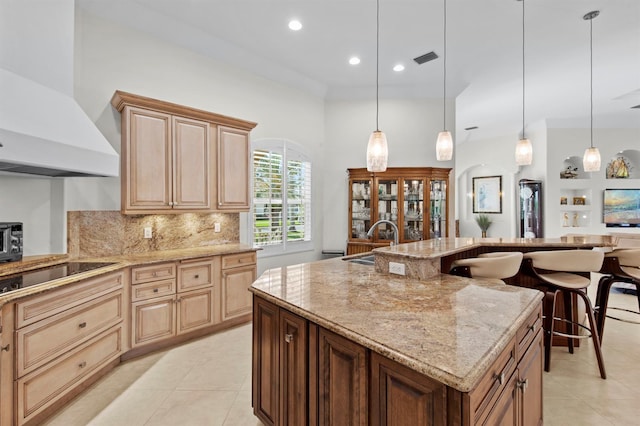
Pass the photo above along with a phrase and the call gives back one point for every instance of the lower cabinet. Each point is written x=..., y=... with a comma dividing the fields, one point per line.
x=238, y=273
x=304, y=374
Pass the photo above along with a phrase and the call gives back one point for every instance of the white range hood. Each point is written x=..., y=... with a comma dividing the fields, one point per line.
x=45, y=132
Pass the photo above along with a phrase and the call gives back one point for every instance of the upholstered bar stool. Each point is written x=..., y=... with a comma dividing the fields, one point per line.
x=620, y=265
x=498, y=265
x=568, y=272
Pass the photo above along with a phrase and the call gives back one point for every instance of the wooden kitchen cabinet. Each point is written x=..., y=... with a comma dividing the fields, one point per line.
x=238, y=273
x=415, y=199
x=177, y=159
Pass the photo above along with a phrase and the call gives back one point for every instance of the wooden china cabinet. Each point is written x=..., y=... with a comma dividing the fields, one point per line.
x=413, y=198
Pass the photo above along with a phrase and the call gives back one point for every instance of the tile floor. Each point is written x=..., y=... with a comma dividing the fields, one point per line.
x=208, y=382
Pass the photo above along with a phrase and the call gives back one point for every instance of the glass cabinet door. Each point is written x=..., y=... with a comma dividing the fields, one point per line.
x=360, y=208
x=413, y=210
x=438, y=208
x=387, y=208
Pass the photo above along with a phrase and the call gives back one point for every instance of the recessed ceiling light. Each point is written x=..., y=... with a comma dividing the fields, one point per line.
x=295, y=25
x=354, y=60
x=398, y=68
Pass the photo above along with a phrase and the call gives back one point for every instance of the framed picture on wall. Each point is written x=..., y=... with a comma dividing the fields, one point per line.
x=487, y=194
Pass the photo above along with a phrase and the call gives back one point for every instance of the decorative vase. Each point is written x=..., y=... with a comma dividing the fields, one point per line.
x=484, y=234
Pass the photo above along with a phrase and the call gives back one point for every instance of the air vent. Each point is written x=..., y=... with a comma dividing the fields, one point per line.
x=636, y=107
x=425, y=58
x=471, y=128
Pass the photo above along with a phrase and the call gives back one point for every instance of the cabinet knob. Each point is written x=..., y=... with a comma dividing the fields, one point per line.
x=83, y=364
x=5, y=348
x=82, y=324
x=523, y=384
x=196, y=276
x=499, y=377
x=154, y=274
x=288, y=337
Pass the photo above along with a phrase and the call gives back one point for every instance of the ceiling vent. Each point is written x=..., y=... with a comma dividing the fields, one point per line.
x=636, y=107
x=425, y=58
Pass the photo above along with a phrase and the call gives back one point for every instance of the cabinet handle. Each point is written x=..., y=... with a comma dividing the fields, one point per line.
x=155, y=290
x=5, y=348
x=83, y=364
x=499, y=377
x=532, y=327
x=523, y=384
x=288, y=337
x=82, y=324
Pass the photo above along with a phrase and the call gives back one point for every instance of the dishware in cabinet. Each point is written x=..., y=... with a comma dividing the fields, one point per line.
x=386, y=207
x=360, y=208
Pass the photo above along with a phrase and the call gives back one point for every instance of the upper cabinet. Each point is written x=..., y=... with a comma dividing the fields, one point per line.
x=177, y=159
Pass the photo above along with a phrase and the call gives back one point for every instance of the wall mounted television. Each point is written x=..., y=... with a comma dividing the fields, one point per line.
x=621, y=208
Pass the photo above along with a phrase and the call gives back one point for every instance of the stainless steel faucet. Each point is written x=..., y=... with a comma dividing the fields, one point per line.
x=396, y=235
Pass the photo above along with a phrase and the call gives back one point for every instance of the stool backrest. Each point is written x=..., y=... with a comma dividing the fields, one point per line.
x=494, y=265
x=567, y=260
x=626, y=257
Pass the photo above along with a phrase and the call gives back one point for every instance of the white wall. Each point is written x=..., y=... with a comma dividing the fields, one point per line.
x=411, y=127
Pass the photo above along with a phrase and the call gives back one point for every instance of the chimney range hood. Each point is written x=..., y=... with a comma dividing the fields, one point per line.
x=45, y=132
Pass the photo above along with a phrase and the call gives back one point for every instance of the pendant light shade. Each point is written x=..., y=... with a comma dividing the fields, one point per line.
x=591, y=159
x=377, y=151
x=444, y=143
x=524, y=152
x=444, y=146
x=524, y=149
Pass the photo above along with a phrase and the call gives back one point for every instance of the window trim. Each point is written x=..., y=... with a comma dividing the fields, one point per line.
x=290, y=151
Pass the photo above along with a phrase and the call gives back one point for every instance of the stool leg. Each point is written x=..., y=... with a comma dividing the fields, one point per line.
x=568, y=316
x=549, y=307
x=594, y=333
x=602, y=301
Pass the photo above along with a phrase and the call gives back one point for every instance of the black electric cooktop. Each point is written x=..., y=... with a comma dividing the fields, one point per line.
x=38, y=276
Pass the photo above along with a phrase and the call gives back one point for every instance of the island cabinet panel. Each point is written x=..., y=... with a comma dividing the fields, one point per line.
x=530, y=384
x=400, y=396
x=293, y=369
x=342, y=381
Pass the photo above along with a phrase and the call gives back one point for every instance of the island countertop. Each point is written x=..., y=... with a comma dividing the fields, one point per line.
x=448, y=328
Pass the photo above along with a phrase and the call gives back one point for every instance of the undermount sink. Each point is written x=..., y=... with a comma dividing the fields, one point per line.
x=364, y=260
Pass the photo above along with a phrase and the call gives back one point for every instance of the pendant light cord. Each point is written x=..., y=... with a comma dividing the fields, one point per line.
x=377, y=59
x=444, y=66
x=591, y=74
x=523, y=102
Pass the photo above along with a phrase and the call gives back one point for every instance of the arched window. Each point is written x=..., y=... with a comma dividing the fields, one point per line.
x=281, y=208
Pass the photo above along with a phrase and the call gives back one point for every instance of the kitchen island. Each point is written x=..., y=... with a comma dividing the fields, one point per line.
x=337, y=343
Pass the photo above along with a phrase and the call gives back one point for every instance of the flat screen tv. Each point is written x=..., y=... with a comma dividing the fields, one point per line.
x=622, y=208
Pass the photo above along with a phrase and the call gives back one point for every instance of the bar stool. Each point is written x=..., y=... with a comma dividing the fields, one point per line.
x=620, y=265
x=568, y=272
x=498, y=265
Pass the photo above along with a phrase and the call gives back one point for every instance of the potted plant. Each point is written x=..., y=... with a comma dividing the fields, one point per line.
x=484, y=222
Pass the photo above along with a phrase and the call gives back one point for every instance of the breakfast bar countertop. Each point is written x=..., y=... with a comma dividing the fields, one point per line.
x=448, y=328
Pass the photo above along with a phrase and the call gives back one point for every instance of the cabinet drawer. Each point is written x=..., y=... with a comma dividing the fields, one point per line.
x=527, y=333
x=47, y=339
x=46, y=385
x=492, y=384
x=153, y=289
x=61, y=299
x=240, y=259
x=195, y=275
x=145, y=274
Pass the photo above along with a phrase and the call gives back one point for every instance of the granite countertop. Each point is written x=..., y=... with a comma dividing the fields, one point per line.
x=34, y=262
x=436, y=248
x=448, y=328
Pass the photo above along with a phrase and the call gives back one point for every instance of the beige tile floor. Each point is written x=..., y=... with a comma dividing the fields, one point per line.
x=208, y=382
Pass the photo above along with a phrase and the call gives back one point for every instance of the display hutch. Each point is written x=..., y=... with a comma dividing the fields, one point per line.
x=415, y=199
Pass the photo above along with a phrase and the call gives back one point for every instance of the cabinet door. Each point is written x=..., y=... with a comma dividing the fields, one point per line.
x=195, y=310
x=342, y=381
x=192, y=164
x=147, y=164
x=413, y=209
x=387, y=207
x=530, y=384
x=233, y=169
x=438, y=208
x=400, y=396
x=236, y=298
x=153, y=320
x=266, y=344
x=293, y=369
x=504, y=412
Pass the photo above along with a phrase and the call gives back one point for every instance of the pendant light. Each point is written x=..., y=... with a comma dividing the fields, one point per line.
x=377, y=151
x=524, y=150
x=444, y=143
x=591, y=159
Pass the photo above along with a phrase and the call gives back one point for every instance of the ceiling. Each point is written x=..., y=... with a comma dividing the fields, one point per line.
x=484, y=52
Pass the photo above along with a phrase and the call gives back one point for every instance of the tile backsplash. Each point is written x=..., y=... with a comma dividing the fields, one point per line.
x=107, y=233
